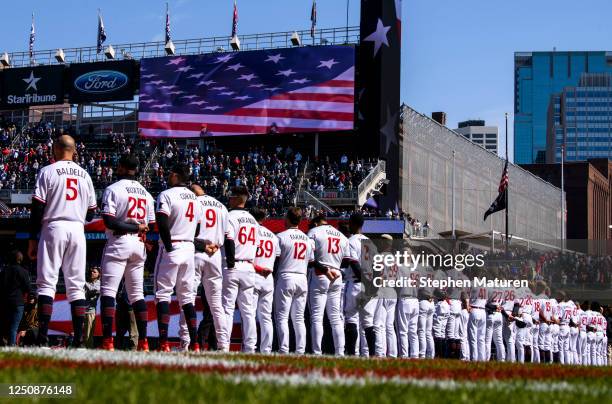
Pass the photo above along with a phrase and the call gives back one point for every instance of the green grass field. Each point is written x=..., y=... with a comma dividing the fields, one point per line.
x=235, y=378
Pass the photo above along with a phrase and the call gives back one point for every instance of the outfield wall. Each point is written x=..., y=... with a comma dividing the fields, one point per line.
x=426, y=149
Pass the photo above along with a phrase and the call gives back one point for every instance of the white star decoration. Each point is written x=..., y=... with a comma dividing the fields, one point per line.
x=243, y=97
x=301, y=81
x=285, y=73
x=274, y=58
x=247, y=77
x=31, y=81
x=234, y=67
x=328, y=63
x=256, y=85
x=184, y=69
x=175, y=62
x=195, y=75
x=223, y=59
x=213, y=108
x=206, y=83
x=379, y=37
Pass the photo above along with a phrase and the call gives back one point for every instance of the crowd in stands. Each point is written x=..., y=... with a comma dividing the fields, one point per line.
x=332, y=174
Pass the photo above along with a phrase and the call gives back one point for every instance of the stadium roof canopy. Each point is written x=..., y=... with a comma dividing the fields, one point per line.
x=140, y=50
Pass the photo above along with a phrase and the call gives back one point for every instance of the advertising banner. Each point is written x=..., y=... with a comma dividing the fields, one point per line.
x=101, y=81
x=27, y=86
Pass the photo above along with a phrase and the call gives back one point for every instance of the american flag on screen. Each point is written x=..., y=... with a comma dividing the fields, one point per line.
x=306, y=89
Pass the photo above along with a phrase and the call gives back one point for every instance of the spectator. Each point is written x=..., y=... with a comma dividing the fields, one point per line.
x=92, y=293
x=14, y=285
x=28, y=329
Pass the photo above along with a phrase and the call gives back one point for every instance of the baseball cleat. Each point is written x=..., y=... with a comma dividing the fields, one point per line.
x=107, y=344
x=164, y=347
x=143, y=345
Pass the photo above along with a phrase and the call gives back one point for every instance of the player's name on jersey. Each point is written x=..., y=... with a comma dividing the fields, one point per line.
x=135, y=190
x=188, y=195
x=298, y=236
x=246, y=219
x=211, y=202
x=71, y=171
x=426, y=282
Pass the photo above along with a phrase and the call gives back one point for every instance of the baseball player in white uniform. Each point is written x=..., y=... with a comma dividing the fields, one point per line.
x=64, y=198
x=359, y=306
x=208, y=263
x=548, y=308
x=325, y=284
x=127, y=210
x=268, y=251
x=408, y=314
x=454, y=331
x=239, y=273
x=291, y=292
x=178, y=214
x=477, y=325
x=494, y=332
x=524, y=299
x=384, y=315
x=565, y=309
x=426, y=312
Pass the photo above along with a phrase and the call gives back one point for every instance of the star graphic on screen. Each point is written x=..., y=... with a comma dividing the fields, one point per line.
x=221, y=88
x=223, y=59
x=206, y=83
x=285, y=73
x=31, y=81
x=243, y=97
x=328, y=63
x=213, y=108
x=256, y=85
x=389, y=130
x=227, y=93
x=274, y=58
x=175, y=61
x=235, y=67
x=157, y=82
x=300, y=81
x=184, y=69
x=247, y=77
x=148, y=76
x=195, y=75
x=198, y=102
x=379, y=37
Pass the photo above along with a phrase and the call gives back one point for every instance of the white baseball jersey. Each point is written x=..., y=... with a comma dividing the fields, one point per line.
x=67, y=191
x=355, y=242
x=564, y=312
x=242, y=228
x=549, y=308
x=538, y=303
x=479, y=297
x=214, y=224
x=524, y=297
x=128, y=201
x=296, y=251
x=584, y=319
x=331, y=246
x=183, y=211
x=268, y=248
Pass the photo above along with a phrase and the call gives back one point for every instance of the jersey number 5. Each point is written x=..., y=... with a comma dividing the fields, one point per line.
x=71, y=189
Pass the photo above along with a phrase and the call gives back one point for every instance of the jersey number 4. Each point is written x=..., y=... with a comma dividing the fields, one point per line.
x=189, y=214
x=72, y=191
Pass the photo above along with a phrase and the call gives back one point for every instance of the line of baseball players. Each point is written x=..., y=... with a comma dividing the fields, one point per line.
x=233, y=256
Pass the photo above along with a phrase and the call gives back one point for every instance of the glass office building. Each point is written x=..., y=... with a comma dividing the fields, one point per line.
x=539, y=80
x=580, y=118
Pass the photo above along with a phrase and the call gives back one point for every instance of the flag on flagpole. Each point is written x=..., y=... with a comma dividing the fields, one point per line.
x=235, y=20
x=168, y=38
x=313, y=19
x=500, y=203
x=32, y=38
x=101, y=32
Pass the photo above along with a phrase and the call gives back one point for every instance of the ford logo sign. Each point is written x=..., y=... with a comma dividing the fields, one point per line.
x=101, y=81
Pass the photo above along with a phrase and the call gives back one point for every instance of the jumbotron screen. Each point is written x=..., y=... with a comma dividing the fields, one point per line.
x=258, y=92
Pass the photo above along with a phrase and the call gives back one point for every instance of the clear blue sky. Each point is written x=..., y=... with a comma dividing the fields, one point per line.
x=457, y=55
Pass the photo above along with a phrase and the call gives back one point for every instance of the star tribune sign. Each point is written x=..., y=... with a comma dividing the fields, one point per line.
x=27, y=86
x=31, y=95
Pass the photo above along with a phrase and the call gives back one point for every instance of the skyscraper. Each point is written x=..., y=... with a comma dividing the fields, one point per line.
x=580, y=118
x=540, y=78
x=477, y=132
